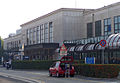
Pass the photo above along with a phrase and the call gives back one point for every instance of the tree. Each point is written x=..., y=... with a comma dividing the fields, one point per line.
x=1, y=48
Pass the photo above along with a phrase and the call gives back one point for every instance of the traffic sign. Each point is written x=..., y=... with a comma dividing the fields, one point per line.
x=63, y=50
x=90, y=60
x=103, y=43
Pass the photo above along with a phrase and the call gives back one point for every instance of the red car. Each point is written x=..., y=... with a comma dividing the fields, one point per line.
x=58, y=68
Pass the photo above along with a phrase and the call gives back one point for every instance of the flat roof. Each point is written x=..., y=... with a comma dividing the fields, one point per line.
x=102, y=8
x=54, y=12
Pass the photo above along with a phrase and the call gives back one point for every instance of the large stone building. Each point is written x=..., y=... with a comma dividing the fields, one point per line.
x=103, y=21
x=69, y=24
x=100, y=24
x=55, y=27
x=47, y=32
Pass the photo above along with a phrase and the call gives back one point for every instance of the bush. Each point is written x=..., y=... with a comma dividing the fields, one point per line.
x=97, y=70
x=41, y=65
x=78, y=61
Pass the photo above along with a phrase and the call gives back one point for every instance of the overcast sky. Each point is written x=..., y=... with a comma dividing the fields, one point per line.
x=13, y=13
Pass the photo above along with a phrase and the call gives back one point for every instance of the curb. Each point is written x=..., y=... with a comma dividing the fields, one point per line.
x=24, y=79
x=92, y=78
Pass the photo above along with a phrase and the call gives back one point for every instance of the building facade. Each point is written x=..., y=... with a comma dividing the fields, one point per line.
x=55, y=27
x=103, y=21
x=100, y=24
x=13, y=42
x=69, y=25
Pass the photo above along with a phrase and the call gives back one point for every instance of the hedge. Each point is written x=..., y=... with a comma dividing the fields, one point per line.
x=97, y=70
x=41, y=65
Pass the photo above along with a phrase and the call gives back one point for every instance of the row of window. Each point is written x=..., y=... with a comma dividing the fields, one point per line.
x=107, y=27
x=87, y=40
x=13, y=44
x=40, y=34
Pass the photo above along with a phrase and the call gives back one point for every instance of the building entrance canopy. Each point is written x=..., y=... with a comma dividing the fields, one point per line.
x=113, y=42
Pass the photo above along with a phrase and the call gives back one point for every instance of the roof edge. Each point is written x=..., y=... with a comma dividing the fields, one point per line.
x=53, y=12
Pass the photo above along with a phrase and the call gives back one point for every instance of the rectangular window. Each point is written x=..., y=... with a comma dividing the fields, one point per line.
x=46, y=32
x=50, y=32
x=117, y=24
x=31, y=36
x=89, y=30
x=28, y=36
x=98, y=28
x=34, y=35
x=42, y=33
x=38, y=34
x=107, y=26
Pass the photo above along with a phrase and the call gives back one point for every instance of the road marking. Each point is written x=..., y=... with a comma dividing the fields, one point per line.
x=37, y=73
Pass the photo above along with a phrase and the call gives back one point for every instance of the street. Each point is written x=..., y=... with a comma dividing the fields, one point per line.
x=33, y=76
x=7, y=80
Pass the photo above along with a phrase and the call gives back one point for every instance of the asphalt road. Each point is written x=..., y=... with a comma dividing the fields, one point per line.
x=8, y=80
x=42, y=77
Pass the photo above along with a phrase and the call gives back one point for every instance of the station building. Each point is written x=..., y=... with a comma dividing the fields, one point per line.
x=43, y=35
x=82, y=27
x=102, y=23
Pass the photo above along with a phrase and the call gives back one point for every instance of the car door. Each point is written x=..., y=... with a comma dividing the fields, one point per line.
x=55, y=69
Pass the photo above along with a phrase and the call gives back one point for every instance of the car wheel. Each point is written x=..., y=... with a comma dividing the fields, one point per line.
x=50, y=74
x=57, y=74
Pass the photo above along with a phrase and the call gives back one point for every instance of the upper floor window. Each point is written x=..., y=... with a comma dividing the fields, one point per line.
x=46, y=32
x=98, y=28
x=107, y=26
x=117, y=24
x=89, y=30
x=50, y=32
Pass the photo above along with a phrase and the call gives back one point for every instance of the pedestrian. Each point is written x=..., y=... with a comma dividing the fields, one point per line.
x=10, y=61
x=7, y=64
x=67, y=70
x=3, y=63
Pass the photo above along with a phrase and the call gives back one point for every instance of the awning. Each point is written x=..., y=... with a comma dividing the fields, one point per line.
x=79, y=48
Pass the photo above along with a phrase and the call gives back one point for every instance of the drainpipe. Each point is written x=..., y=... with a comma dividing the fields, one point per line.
x=93, y=22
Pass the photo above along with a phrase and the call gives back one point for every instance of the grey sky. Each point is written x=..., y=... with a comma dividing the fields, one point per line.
x=13, y=13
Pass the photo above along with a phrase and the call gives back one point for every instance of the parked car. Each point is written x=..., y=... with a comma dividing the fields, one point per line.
x=58, y=69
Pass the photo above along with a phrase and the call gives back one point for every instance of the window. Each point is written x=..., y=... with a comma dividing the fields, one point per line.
x=51, y=32
x=38, y=34
x=34, y=35
x=30, y=42
x=89, y=30
x=98, y=28
x=117, y=24
x=42, y=33
x=57, y=64
x=28, y=36
x=46, y=32
x=107, y=26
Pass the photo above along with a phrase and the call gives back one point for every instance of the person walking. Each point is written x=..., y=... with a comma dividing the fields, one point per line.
x=10, y=61
x=7, y=64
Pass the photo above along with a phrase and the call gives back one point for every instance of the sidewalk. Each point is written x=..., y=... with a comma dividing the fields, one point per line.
x=92, y=78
